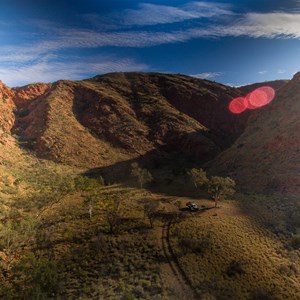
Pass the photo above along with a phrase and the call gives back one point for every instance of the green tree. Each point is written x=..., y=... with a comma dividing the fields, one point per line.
x=218, y=187
x=86, y=184
x=143, y=175
x=221, y=187
x=198, y=177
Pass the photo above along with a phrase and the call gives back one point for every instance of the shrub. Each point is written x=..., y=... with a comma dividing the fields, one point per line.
x=235, y=268
x=193, y=245
x=84, y=183
x=295, y=242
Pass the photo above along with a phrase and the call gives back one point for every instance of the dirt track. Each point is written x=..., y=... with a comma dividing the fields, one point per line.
x=182, y=288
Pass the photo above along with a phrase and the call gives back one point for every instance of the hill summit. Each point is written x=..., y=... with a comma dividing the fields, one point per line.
x=119, y=116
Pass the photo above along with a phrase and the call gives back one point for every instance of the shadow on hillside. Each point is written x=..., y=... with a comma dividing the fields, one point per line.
x=169, y=171
x=278, y=214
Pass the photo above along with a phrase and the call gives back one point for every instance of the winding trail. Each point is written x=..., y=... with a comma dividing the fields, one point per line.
x=176, y=279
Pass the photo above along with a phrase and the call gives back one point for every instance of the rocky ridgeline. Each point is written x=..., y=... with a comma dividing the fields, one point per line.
x=121, y=116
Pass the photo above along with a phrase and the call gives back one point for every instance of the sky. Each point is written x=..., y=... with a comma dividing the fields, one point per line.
x=235, y=42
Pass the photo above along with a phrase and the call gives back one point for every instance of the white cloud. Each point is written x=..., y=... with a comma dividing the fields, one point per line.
x=275, y=25
x=152, y=14
x=31, y=62
x=207, y=75
x=268, y=25
x=262, y=72
x=48, y=71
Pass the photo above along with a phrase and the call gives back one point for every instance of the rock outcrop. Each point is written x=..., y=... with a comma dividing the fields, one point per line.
x=7, y=117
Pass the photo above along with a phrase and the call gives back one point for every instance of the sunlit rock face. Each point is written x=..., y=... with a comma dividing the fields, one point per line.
x=266, y=157
x=23, y=95
x=6, y=110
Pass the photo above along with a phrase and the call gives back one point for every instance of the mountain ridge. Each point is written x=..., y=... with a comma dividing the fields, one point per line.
x=126, y=115
x=118, y=117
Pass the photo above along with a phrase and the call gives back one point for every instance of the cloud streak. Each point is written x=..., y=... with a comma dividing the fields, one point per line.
x=151, y=14
x=207, y=75
x=267, y=25
x=147, y=26
x=262, y=72
x=48, y=70
x=272, y=25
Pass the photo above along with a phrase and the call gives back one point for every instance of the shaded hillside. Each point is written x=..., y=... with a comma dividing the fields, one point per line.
x=120, y=116
x=265, y=157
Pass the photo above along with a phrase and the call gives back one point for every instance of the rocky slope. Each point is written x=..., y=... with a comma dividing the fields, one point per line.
x=265, y=158
x=119, y=116
x=7, y=117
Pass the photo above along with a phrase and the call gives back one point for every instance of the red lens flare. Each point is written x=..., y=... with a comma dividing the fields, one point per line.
x=238, y=105
x=261, y=96
x=248, y=103
x=254, y=100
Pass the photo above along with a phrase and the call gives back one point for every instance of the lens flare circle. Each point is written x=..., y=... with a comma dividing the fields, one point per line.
x=260, y=97
x=249, y=105
x=254, y=100
x=238, y=105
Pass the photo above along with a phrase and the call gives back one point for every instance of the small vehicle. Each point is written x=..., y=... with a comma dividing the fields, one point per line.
x=192, y=206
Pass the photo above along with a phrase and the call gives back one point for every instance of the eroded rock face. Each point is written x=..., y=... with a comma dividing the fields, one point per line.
x=23, y=95
x=6, y=110
x=266, y=157
x=121, y=116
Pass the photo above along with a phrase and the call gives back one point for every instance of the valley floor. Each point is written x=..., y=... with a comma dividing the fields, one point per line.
x=64, y=236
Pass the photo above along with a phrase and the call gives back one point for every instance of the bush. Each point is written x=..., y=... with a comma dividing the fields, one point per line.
x=295, y=242
x=84, y=183
x=235, y=268
x=194, y=246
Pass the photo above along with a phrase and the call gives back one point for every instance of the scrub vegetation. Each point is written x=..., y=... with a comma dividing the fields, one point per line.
x=68, y=236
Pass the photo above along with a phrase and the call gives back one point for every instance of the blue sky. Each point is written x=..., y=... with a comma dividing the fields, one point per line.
x=232, y=42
